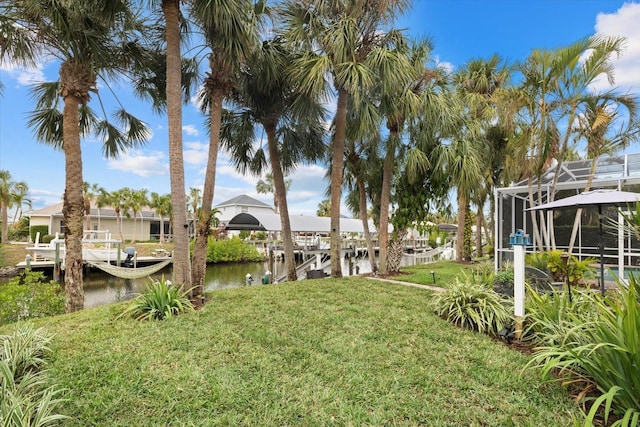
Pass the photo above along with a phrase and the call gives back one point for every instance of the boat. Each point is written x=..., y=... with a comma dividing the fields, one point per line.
x=97, y=246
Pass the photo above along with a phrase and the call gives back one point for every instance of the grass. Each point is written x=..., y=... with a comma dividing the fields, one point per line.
x=445, y=272
x=318, y=352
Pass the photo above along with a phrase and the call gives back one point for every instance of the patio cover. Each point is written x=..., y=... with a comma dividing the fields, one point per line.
x=299, y=223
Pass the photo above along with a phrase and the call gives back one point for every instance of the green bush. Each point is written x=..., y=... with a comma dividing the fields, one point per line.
x=28, y=296
x=605, y=352
x=231, y=250
x=160, y=300
x=35, y=229
x=25, y=397
x=473, y=306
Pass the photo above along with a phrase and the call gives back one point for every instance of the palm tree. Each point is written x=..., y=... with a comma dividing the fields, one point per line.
x=229, y=28
x=404, y=93
x=194, y=199
x=8, y=191
x=91, y=39
x=324, y=208
x=343, y=38
x=554, y=93
x=137, y=200
x=479, y=82
x=90, y=193
x=162, y=206
x=267, y=186
x=267, y=97
x=118, y=201
x=19, y=199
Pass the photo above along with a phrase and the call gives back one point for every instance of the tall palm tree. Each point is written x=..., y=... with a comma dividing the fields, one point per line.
x=90, y=193
x=90, y=39
x=8, y=191
x=137, y=200
x=267, y=97
x=342, y=38
x=405, y=91
x=162, y=206
x=230, y=32
x=19, y=199
x=267, y=186
x=194, y=200
x=596, y=126
x=479, y=82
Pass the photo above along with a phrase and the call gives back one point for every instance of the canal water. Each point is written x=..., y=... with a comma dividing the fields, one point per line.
x=102, y=288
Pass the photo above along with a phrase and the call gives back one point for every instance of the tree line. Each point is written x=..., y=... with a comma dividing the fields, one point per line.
x=405, y=131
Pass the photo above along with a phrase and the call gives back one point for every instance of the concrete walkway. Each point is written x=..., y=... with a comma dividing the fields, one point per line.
x=415, y=285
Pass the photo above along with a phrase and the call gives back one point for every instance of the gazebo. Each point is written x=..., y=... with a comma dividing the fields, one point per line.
x=511, y=204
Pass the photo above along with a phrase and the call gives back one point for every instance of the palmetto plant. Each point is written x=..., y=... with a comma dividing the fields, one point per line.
x=473, y=306
x=26, y=399
x=160, y=300
x=605, y=355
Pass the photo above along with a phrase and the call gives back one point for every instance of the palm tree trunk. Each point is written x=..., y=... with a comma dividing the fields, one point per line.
x=73, y=207
x=385, y=196
x=576, y=221
x=181, y=261
x=280, y=193
x=203, y=227
x=365, y=224
x=462, y=216
x=337, y=166
x=5, y=224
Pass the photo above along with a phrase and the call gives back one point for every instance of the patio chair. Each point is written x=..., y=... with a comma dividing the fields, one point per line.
x=541, y=280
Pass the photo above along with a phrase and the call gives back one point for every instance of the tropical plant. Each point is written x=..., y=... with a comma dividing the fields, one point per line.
x=230, y=32
x=160, y=300
x=473, y=306
x=29, y=296
x=605, y=357
x=324, y=208
x=97, y=39
x=162, y=206
x=267, y=96
x=25, y=398
x=345, y=39
x=268, y=186
x=10, y=193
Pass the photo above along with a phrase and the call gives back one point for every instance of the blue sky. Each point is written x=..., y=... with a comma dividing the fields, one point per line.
x=460, y=29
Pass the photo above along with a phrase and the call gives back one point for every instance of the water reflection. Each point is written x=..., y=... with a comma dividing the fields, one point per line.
x=102, y=288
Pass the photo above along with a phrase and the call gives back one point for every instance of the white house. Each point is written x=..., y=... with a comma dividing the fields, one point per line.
x=145, y=227
x=241, y=204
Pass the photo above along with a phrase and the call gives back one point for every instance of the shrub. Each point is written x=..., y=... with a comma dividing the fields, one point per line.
x=28, y=296
x=606, y=354
x=35, y=229
x=25, y=399
x=231, y=250
x=503, y=282
x=538, y=260
x=473, y=306
x=160, y=300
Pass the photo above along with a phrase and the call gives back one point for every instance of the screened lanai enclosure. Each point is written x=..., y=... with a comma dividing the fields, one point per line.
x=553, y=229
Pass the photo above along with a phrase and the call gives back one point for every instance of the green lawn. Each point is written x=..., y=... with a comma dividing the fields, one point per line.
x=444, y=272
x=317, y=352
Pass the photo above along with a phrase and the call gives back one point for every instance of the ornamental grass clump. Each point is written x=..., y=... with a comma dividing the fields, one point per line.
x=604, y=356
x=474, y=306
x=26, y=398
x=160, y=300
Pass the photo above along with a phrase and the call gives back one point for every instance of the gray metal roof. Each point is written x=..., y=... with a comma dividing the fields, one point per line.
x=243, y=200
x=299, y=223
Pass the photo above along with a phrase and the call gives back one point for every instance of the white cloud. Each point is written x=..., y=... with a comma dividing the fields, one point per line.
x=141, y=164
x=24, y=77
x=623, y=23
x=190, y=130
x=195, y=153
x=42, y=198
